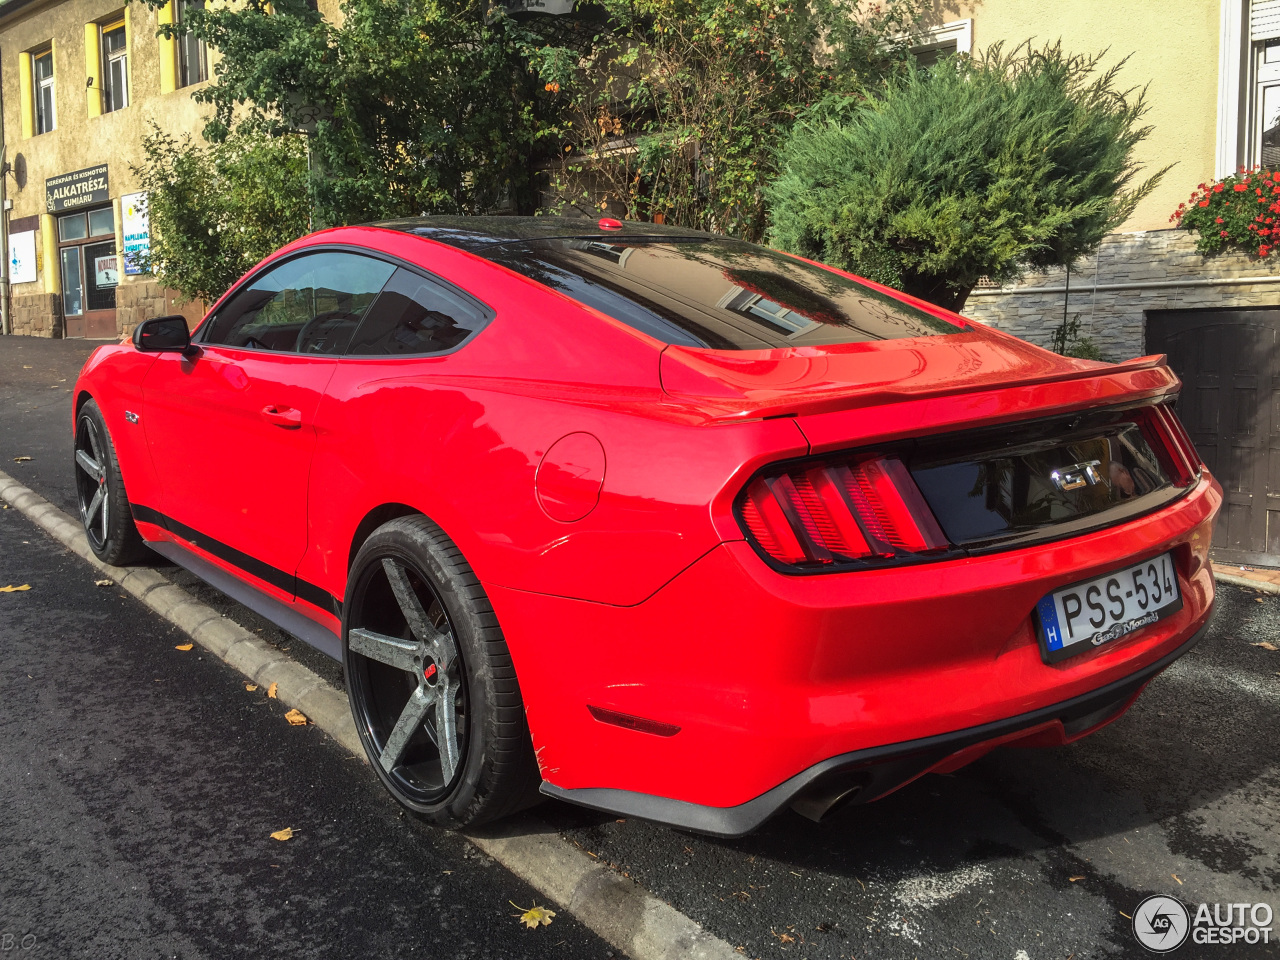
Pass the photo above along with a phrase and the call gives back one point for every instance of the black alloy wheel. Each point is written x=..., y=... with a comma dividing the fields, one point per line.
x=100, y=494
x=430, y=680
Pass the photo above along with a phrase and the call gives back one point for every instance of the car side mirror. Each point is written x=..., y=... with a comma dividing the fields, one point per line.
x=162, y=334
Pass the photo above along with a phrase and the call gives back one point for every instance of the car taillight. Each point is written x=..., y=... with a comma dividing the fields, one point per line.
x=824, y=513
x=1165, y=433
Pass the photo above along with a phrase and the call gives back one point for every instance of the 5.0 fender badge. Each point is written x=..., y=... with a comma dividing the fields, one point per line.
x=131, y=416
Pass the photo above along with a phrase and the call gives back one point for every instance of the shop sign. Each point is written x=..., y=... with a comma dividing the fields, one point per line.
x=81, y=188
x=107, y=270
x=136, y=228
x=22, y=257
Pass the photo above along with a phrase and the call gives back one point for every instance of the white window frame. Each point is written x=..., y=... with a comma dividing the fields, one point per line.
x=184, y=43
x=959, y=32
x=38, y=87
x=109, y=60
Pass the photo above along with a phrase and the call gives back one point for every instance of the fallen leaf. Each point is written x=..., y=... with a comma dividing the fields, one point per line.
x=12, y=589
x=21, y=459
x=296, y=718
x=271, y=691
x=103, y=583
x=1265, y=645
x=251, y=687
x=535, y=916
x=183, y=647
x=1255, y=599
x=1176, y=877
x=285, y=834
x=1123, y=914
x=1074, y=879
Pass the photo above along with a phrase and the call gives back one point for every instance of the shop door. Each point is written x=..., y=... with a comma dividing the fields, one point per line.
x=1229, y=363
x=90, y=272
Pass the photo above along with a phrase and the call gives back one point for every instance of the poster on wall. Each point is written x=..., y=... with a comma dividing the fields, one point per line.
x=107, y=270
x=136, y=230
x=22, y=257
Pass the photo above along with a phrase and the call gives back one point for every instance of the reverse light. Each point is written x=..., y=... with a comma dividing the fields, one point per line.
x=821, y=514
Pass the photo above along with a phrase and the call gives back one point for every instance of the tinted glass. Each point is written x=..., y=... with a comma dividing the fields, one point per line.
x=102, y=222
x=416, y=316
x=721, y=294
x=311, y=304
x=71, y=227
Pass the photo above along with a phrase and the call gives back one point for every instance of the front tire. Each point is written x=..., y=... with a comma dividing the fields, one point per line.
x=100, y=494
x=430, y=680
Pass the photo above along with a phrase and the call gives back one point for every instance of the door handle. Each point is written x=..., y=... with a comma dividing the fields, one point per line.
x=286, y=417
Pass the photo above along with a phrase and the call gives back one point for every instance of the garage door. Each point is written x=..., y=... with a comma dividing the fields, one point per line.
x=1229, y=362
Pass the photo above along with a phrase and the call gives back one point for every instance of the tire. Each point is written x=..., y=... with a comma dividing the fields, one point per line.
x=418, y=632
x=100, y=494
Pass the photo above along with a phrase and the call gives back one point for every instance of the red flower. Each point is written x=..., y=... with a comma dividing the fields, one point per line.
x=1205, y=203
x=1240, y=188
x=1219, y=220
x=1263, y=250
x=1217, y=188
x=1223, y=233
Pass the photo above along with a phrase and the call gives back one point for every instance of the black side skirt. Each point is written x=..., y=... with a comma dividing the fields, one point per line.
x=281, y=614
x=880, y=769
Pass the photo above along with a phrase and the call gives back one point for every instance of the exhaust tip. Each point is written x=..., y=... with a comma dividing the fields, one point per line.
x=825, y=798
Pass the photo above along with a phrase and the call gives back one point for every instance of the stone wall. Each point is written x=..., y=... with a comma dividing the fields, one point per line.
x=36, y=315
x=144, y=299
x=1114, y=315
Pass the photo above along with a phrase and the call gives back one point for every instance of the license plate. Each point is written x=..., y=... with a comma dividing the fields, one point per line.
x=1093, y=612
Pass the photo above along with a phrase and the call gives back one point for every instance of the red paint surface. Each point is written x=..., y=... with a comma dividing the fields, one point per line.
x=659, y=607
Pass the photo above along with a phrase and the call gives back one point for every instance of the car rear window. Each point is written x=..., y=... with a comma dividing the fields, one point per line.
x=720, y=294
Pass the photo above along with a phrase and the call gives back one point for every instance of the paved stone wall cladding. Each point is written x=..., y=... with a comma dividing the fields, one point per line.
x=1115, y=319
x=36, y=315
x=144, y=299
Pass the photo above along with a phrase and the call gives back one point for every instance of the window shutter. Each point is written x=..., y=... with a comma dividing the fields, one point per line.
x=1264, y=19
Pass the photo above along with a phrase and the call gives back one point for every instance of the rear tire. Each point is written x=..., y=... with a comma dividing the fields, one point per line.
x=100, y=494
x=430, y=680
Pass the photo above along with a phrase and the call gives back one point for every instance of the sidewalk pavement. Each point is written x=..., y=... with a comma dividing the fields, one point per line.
x=1258, y=578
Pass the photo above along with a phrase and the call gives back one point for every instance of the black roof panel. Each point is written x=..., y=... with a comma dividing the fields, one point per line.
x=476, y=233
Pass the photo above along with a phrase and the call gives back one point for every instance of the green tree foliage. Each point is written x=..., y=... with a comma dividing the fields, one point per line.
x=678, y=107
x=977, y=166
x=411, y=106
x=216, y=211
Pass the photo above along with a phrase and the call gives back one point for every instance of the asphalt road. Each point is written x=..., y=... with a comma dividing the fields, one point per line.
x=1027, y=853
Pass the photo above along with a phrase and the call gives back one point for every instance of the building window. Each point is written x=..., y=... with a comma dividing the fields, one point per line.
x=934, y=43
x=115, y=67
x=1265, y=128
x=193, y=57
x=42, y=70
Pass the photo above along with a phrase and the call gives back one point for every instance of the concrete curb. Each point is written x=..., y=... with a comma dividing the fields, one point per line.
x=617, y=909
x=1260, y=585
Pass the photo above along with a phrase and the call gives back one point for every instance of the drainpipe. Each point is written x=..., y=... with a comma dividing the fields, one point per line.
x=6, y=326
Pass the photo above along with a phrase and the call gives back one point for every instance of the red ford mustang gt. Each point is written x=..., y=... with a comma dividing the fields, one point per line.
x=661, y=523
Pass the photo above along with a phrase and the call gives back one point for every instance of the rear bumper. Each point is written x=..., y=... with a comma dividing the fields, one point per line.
x=770, y=677
x=864, y=775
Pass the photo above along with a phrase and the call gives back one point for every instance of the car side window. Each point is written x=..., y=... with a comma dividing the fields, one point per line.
x=414, y=315
x=311, y=304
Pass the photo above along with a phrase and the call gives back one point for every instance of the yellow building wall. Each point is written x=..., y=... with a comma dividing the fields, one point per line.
x=1172, y=47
